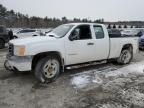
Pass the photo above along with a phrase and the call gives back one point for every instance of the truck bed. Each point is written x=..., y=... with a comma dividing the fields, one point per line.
x=116, y=44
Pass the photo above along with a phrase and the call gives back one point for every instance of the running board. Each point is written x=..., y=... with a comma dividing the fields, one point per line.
x=85, y=64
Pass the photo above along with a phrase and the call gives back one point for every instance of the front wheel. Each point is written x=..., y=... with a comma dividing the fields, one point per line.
x=47, y=69
x=125, y=56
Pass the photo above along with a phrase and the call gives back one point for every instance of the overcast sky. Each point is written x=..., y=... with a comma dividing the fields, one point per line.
x=110, y=10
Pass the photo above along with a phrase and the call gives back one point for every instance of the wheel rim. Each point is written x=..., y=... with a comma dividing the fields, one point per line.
x=50, y=68
x=126, y=56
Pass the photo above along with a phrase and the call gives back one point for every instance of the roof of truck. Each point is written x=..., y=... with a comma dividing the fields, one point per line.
x=84, y=23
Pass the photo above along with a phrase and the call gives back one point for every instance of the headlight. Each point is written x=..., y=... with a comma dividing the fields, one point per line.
x=19, y=50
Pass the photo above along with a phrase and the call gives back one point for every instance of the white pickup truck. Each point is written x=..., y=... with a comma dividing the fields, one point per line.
x=68, y=45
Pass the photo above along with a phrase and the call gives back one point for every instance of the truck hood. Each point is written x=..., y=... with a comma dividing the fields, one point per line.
x=32, y=40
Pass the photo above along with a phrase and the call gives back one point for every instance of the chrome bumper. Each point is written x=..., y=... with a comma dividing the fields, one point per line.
x=16, y=63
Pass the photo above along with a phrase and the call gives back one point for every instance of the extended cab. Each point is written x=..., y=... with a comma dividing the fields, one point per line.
x=67, y=45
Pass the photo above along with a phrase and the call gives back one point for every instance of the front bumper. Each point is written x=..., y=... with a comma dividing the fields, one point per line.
x=15, y=63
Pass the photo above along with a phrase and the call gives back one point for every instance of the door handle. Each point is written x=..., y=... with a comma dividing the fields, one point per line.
x=90, y=43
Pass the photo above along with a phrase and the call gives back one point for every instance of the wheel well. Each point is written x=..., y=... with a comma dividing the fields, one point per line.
x=39, y=56
x=128, y=46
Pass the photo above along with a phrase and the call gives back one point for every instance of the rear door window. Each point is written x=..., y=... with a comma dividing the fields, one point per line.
x=99, y=33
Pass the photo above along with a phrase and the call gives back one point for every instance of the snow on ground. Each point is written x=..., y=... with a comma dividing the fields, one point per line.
x=137, y=68
x=86, y=78
x=111, y=87
x=81, y=81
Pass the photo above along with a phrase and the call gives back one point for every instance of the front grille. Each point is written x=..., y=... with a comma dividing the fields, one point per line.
x=11, y=50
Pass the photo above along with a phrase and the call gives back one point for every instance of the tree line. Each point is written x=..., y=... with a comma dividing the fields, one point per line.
x=10, y=18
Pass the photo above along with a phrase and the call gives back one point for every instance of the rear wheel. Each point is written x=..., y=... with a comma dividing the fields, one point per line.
x=125, y=56
x=2, y=44
x=47, y=69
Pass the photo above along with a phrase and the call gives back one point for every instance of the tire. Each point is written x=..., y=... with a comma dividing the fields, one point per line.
x=125, y=56
x=2, y=44
x=47, y=69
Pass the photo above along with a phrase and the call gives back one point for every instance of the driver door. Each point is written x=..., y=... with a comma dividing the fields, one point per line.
x=79, y=46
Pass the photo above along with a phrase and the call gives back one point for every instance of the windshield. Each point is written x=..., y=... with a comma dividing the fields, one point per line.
x=61, y=30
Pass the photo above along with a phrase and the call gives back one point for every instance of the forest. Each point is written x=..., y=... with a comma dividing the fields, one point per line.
x=12, y=19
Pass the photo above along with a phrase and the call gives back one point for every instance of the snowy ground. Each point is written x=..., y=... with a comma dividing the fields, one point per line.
x=98, y=86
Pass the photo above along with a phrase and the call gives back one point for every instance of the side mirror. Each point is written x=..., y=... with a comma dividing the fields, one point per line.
x=71, y=38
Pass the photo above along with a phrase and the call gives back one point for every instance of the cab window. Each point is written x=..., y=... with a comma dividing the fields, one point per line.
x=82, y=32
